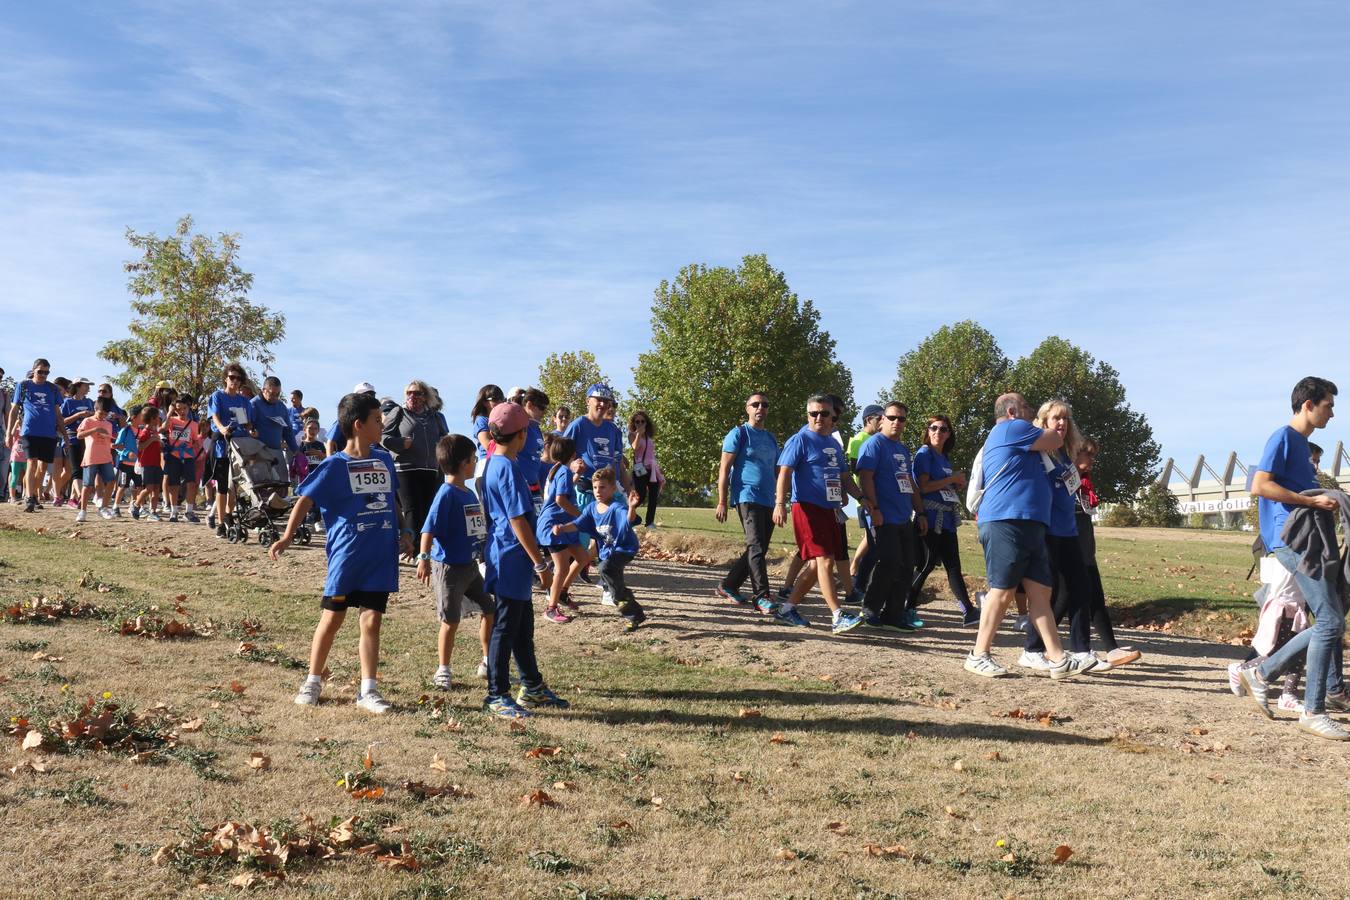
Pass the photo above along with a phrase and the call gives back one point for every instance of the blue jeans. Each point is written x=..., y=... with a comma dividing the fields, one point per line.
x=1322, y=642
x=512, y=635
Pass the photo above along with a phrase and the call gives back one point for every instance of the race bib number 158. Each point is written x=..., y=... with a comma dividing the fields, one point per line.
x=369, y=480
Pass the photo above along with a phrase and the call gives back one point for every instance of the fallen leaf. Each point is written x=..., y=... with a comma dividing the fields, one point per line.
x=438, y=763
x=46, y=657
x=958, y=766
x=29, y=765
x=747, y=713
x=778, y=738
x=374, y=793
x=537, y=752
x=864, y=685
x=657, y=801
x=1199, y=732
x=1217, y=778
x=825, y=677
x=739, y=777
x=537, y=798
x=564, y=785
x=1062, y=854
x=837, y=827
x=32, y=740
x=951, y=811
x=142, y=757
x=345, y=831
x=893, y=850
x=617, y=826
x=993, y=756
x=259, y=761
x=368, y=761
x=236, y=687
x=191, y=726
x=783, y=854
x=517, y=725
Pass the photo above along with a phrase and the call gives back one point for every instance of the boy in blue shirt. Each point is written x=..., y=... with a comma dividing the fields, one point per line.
x=452, y=542
x=356, y=491
x=611, y=525
x=513, y=559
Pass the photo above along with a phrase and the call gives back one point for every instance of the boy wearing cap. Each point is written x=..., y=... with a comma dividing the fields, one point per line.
x=513, y=559
x=356, y=491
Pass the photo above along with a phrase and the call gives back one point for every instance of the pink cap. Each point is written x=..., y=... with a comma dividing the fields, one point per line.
x=508, y=418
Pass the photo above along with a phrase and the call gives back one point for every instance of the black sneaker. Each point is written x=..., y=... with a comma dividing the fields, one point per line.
x=221, y=531
x=31, y=505
x=211, y=520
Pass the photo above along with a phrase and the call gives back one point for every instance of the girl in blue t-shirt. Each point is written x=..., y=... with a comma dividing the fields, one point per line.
x=939, y=484
x=569, y=557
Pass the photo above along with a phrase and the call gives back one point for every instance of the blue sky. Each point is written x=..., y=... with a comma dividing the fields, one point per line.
x=1163, y=184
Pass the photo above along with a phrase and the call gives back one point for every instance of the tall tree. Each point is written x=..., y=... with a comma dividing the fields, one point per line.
x=957, y=371
x=719, y=334
x=566, y=376
x=1128, y=454
x=192, y=313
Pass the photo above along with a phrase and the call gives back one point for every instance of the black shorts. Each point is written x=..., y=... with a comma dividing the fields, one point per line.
x=179, y=471
x=220, y=471
x=75, y=452
x=127, y=477
x=39, y=449
x=373, y=600
x=152, y=476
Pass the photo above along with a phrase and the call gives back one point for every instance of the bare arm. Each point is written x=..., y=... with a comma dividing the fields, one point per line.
x=868, y=483
x=723, y=479
x=1265, y=485
x=298, y=512
x=1049, y=440
x=781, y=496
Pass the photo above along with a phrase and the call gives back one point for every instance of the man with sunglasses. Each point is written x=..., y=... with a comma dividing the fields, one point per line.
x=813, y=463
x=892, y=499
x=230, y=414
x=33, y=418
x=746, y=476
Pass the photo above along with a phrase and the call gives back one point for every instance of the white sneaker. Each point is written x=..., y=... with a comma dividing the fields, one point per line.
x=1071, y=665
x=1021, y=624
x=153, y=517
x=1030, y=659
x=80, y=517
x=606, y=598
x=482, y=669
x=984, y=665
x=372, y=702
x=441, y=679
x=1290, y=703
x=1324, y=726
x=309, y=693
x=107, y=513
x=1103, y=664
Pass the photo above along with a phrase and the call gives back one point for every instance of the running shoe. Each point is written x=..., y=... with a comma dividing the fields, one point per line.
x=505, y=708
x=1338, y=702
x=79, y=517
x=1324, y=726
x=30, y=505
x=1235, y=678
x=791, y=617
x=555, y=615
x=633, y=620
x=107, y=513
x=154, y=516
x=606, y=598
x=733, y=596
x=441, y=679
x=585, y=574
x=872, y=620
x=58, y=502
x=191, y=517
x=309, y=693
x=1021, y=624
x=845, y=623
x=482, y=669
x=1116, y=659
x=1290, y=703
x=1072, y=665
x=1257, y=689
x=971, y=616
x=222, y=531
x=372, y=702
x=785, y=593
x=765, y=605
x=901, y=626
x=855, y=597
x=117, y=512
x=135, y=511
x=985, y=666
x=540, y=696
x=1030, y=659
x=908, y=617
x=173, y=516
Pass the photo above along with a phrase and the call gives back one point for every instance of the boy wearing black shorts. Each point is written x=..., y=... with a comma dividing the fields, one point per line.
x=355, y=490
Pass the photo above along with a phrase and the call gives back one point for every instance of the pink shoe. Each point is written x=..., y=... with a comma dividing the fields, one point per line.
x=553, y=614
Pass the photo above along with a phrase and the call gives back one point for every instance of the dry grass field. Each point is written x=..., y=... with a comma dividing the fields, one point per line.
x=711, y=753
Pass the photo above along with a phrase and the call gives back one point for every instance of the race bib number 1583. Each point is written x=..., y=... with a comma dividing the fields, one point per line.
x=369, y=480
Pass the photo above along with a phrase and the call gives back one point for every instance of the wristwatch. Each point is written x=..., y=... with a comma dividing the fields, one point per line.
x=422, y=556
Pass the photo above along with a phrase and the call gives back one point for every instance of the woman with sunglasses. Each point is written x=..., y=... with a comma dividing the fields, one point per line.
x=411, y=433
x=32, y=419
x=647, y=477
x=230, y=414
x=939, y=484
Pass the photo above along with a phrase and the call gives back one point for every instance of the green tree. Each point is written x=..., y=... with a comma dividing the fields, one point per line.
x=1158, y=507
x=719, y=334
x=957, y=371
x=1128, y=457
x=192, y=314
x=565, y=377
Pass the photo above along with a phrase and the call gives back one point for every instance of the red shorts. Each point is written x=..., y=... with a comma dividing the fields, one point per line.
x=818, y=532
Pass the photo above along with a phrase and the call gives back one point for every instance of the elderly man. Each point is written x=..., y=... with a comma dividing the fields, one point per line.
x=1013, y=514
x=746, y=479
x=813, y=462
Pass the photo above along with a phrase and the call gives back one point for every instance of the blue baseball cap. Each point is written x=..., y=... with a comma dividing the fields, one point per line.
x=600, y=391
x=870, y=411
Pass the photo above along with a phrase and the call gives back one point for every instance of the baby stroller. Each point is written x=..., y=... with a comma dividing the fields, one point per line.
x=259, y=482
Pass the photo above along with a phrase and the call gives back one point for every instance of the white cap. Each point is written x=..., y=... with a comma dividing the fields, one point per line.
x=364, y=387
x=514, y=391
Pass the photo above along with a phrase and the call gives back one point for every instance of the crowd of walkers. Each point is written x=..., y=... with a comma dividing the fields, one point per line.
x=523, y=500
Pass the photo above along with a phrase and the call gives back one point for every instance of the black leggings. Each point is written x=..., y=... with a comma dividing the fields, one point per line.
x=1066, y=561
x=941, y=548
x=416, y=490
x=1101, y=620
x=648, y=491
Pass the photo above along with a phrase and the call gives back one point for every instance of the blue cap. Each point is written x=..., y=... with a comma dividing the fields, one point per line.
x=600, y=390
x=870, y=411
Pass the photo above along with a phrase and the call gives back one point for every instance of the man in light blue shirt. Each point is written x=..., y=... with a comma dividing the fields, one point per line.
x=746, y=477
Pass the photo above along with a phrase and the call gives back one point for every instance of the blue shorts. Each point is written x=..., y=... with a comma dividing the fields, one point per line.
x=1015, y=549
x=179, y=471
x=104, y=472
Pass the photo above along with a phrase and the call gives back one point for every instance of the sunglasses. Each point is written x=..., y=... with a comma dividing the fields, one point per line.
x=414, y=393
x=758, y=404
x=895, y=418
x=41, y=371
x=233, y=378
x=817, y=413
x=938, y=428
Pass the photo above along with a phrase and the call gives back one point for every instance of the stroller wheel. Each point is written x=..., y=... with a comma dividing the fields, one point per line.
x=262, y=537
x=304, y=536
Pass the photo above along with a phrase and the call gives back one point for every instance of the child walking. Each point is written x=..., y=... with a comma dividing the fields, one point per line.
x=611, y=524
x=150, y=447
x=128, y=479
x=511, y=549
x=97, y=434
x=569, y=557
x=180, y=463
x=356, y=492
x=452, y=542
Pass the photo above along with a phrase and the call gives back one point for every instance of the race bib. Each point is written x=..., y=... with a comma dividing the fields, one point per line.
x=475, y=523
x=834, y=490
x=948, y=495
x=240, y=415
x=370, y=478
x=1072, y=481
x=903, y=483
x=538, y=503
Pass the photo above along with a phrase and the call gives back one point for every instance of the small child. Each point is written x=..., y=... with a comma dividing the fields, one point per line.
x=356, y=491
x=452, y=541
x=569, y=557
x=1283, y=614
x=180, y=463
x=18, y=464
x=611, y=524
x=313, y=449
x=97, y=434
x=150, y=448
x=128, y=479
x=511, y=548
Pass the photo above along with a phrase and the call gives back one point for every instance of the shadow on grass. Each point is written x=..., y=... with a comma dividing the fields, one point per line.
x=751, y=695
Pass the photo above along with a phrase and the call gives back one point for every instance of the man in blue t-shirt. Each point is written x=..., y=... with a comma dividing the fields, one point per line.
x=891, y=498
x=745, y=479
x=1013, y=514
x=271, y=418
x=33, y=418
x=1282, y=476
x=599, y=441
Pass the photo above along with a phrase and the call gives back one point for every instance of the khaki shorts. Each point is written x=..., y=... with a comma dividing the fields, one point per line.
x=453, y=584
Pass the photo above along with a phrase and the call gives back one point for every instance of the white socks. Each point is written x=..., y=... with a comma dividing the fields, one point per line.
x=314, y=679
x=367, y=685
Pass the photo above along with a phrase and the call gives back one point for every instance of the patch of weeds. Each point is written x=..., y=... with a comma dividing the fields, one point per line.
x=607, y=835
x=551, y=862
x=573, y=891
x=1212, y=857
x=96, y=723
x=243, y=629
x=641, y=759
x=201, y=762
x=958, y=864
x=269, y=656
x=1015, y=861
x=326, y=748
x=428, y=887
x=713, y=735
x=711, y=813
x=1285, y=879
x=78, y=793
x=913, y=812
x=44, y=611
x=27, y=646
x=461, y=853
x=840, y=796
x=489, y=768
x=864, y=891
x=566, y=765
x=224, y=695
x=234, y=732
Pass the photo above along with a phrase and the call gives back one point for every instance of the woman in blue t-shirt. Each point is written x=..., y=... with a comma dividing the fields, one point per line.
x=939, y=484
